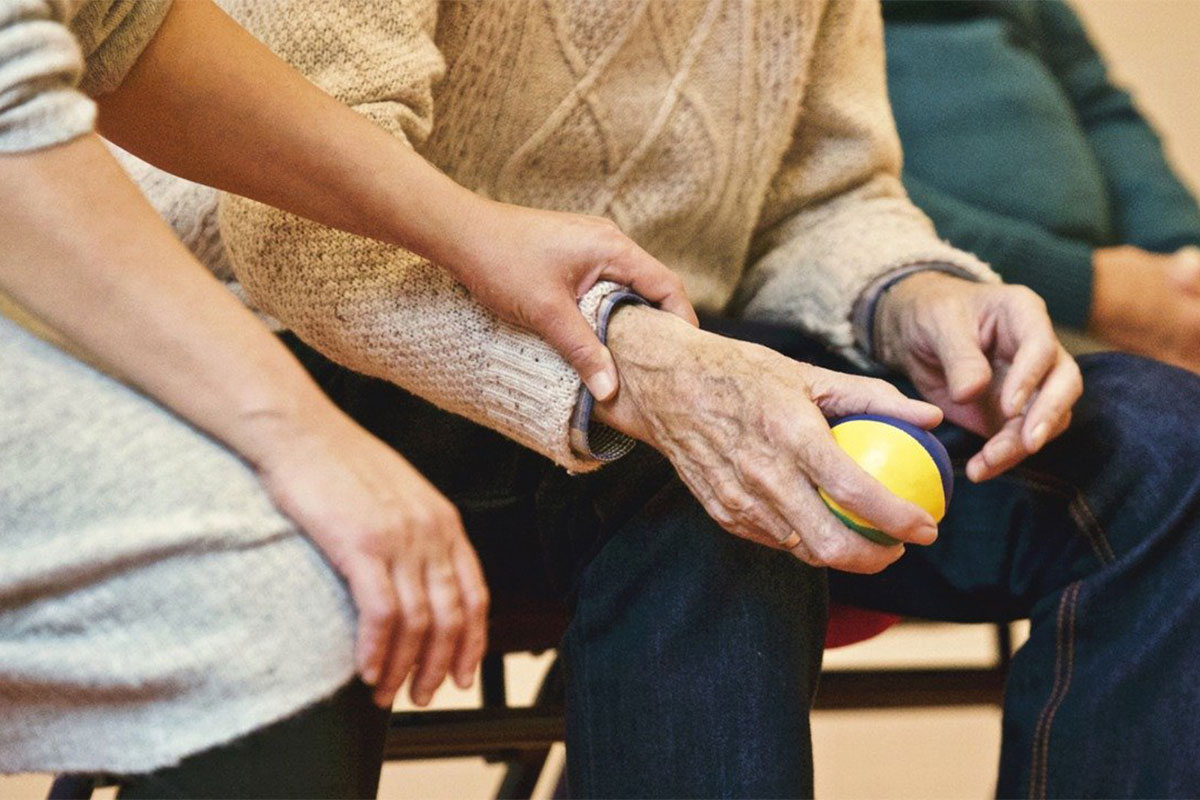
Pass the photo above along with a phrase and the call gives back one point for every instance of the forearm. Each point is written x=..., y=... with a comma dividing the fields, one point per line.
x=85, y=254
x=815, y=265
x=256, y=127
x=386, y=312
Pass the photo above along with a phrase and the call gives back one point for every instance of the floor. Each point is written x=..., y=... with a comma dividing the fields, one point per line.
x=923, y=753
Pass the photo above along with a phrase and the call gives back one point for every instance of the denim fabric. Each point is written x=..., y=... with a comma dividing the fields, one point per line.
x=692, y=655
x=1097, y=541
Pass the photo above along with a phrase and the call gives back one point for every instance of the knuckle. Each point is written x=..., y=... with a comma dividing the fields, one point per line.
x=735, y=501
x=851, y=493
x=419, y=519
x=446, y=516
x=756, y=472
x=449, y=622
x=372, y=539
x=583, y=352
x=477, y=605
x=603, y=223
x=380, y=611
x=417, y=619
x=828, y=551
x=1027, y=297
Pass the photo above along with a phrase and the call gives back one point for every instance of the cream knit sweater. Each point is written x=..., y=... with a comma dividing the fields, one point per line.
x=748, y=145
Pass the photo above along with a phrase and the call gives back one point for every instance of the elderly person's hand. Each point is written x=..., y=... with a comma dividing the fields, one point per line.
x=531, y=267
x=987, y=355
x=745, y=429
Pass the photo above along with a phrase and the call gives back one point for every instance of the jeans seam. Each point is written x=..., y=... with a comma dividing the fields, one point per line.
x=1086, y=521
x=1064, y=641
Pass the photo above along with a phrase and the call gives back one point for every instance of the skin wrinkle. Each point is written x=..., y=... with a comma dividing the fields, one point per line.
x=745, y=428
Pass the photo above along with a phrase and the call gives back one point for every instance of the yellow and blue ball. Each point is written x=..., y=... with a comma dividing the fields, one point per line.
x=909, y=461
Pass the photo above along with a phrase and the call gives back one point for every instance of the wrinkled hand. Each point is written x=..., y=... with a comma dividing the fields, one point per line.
x=745, y=429
x=531, y=267
x=1148, y=303
x=987, y=355
x=420, y=593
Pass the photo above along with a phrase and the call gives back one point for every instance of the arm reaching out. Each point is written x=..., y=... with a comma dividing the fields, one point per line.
x=299, y=149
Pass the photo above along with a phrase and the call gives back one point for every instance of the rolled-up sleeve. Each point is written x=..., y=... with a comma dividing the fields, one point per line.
x=52, y=59
x=40, y=67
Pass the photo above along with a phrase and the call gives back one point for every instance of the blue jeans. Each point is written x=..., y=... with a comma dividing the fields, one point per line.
x=692, y=656
x=1097, y=541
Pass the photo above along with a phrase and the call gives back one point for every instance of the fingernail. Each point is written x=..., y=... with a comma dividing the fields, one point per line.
x=601, y=385
x=370, y=676
x=974, y=471
x=928, y=532
x=1038, y=436
x=1018, y=403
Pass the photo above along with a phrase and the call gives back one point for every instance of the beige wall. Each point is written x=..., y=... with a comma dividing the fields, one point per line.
x=1151, y=47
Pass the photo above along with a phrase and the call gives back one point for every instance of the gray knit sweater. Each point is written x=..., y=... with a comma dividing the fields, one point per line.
x=153, y=603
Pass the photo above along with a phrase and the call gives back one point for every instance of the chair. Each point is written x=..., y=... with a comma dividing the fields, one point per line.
x=522, y=737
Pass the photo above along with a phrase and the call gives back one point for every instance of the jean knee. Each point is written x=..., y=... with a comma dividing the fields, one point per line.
x=1134, y=441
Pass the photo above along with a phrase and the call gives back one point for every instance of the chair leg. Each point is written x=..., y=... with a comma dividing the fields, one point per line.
x=521, y=777
x=72, y=787
x=492, y=684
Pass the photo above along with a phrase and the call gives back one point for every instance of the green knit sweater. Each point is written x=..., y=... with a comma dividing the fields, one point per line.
x=1021, y=150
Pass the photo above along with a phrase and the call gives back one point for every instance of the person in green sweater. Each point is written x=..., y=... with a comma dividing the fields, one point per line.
x=1022, y=151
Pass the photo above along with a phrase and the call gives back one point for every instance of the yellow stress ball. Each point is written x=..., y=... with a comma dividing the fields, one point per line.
x=909, y=461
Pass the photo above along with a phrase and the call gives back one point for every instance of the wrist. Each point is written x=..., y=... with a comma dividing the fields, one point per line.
x=893, y=309
x=273, y=429
x=647, y=345
x=1118, y=288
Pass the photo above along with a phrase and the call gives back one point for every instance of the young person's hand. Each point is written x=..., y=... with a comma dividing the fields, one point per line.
x=85, y=254
x=531, y=267
x=420, y=593
x=1148, y=303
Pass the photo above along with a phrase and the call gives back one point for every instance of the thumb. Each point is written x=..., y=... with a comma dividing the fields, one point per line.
x=571, y=335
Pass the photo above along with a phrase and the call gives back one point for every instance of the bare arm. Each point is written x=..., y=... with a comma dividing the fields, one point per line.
x=85, y=253
x=256, y=127
x=208, y=102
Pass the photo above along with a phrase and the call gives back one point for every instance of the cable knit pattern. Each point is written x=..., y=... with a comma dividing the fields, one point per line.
x=747, y=145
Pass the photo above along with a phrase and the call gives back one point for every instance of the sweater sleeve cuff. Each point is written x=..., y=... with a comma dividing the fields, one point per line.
x=40, y=63
x=113, y=36
x=862, y=316
x=591, y=439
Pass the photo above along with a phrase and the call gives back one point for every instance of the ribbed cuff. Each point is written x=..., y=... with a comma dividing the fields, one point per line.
x=589, y=438
x=53, y=117
x=862, y=317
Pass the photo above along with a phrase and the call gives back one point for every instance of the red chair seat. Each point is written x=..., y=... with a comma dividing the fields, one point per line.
x=848, y=625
